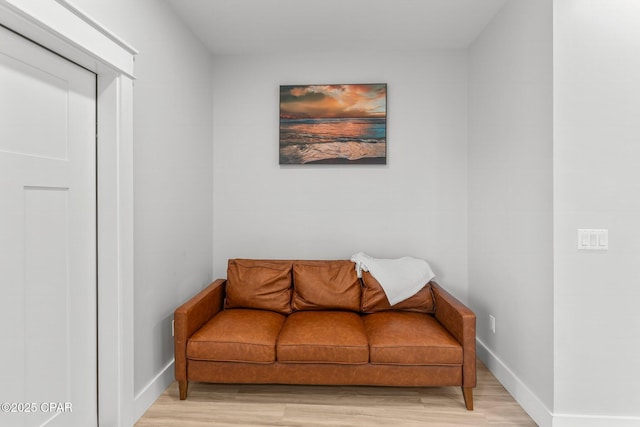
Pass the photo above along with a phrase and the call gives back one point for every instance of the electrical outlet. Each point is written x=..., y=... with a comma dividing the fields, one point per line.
x=492, y=324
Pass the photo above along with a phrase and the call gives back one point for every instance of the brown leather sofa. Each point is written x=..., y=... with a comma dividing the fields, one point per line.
x=316, y=322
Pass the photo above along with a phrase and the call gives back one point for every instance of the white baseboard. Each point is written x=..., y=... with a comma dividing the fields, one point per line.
x=534, y=406
x=566, y=420
x=153, y=390
x=516, y=387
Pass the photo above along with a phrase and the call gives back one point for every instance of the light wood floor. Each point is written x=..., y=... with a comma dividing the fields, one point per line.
x=282, y=405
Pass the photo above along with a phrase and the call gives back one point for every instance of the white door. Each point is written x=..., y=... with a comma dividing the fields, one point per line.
x=48, y=355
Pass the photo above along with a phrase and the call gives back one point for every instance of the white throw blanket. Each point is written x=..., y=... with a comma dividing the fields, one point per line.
x=400, y=278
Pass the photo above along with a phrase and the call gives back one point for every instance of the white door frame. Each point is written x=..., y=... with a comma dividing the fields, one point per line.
x=61, y=27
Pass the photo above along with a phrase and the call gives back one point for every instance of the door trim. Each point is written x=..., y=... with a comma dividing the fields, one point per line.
x=61, y=27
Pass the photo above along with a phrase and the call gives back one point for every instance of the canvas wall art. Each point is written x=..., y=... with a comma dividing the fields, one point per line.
x=333, y=124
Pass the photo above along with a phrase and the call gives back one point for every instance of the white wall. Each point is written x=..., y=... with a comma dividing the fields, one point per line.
x=415, y=205
x=419, y=203
x=510, y=200
x=172, y=175
x=597, y=185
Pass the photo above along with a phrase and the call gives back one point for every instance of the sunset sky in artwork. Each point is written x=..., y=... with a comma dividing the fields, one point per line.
x=333, y=101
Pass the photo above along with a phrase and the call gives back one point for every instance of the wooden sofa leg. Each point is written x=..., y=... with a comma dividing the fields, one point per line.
x=183, y=387
x=467, y=393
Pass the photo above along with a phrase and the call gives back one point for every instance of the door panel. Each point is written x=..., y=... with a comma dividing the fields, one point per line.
x=41, y=119
x=47, y=238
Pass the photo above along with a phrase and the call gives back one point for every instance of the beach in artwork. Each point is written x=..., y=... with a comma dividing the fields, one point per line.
x=337, y=124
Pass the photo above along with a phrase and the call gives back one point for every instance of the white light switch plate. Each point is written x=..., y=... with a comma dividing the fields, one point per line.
x=593, y=239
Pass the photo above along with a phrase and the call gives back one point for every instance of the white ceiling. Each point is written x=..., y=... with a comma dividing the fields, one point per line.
x=296, y=26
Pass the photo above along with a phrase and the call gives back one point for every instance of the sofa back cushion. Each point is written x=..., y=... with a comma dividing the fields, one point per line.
x=259, y=284
x=375, y=300
x=325, y=285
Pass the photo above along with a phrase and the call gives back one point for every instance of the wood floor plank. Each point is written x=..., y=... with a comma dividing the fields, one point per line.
x=321, y=406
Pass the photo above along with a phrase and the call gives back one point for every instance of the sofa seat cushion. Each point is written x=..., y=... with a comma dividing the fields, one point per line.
x=323, y=337
x=237, y=335
x=407, y=338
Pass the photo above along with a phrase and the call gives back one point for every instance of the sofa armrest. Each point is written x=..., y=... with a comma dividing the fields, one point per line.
x=190, y=317
x=460, y=321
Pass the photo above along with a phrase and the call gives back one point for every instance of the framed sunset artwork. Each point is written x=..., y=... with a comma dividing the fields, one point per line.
x=333, y=124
